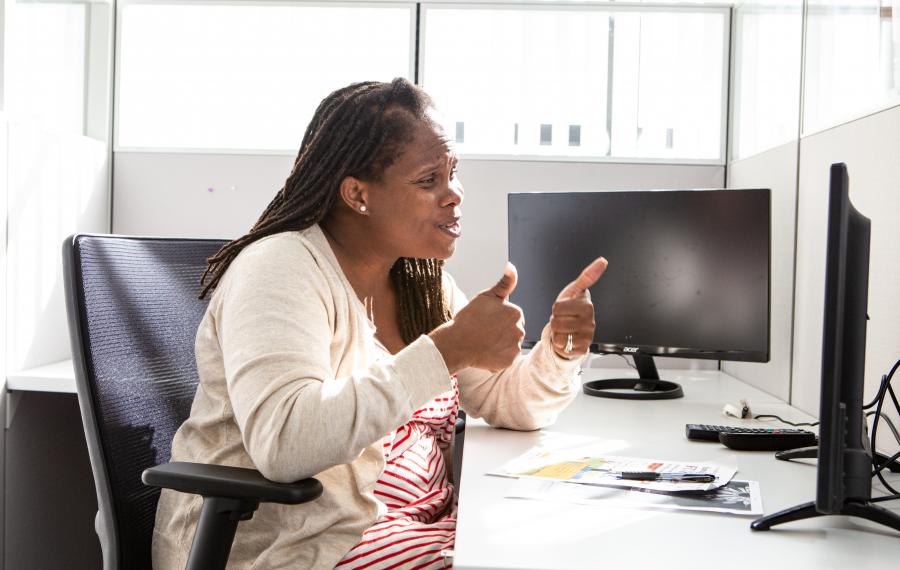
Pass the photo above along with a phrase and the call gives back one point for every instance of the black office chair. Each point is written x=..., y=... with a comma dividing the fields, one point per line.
x=133, y=316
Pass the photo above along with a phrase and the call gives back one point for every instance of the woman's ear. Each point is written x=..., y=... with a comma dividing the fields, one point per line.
x=354, y=193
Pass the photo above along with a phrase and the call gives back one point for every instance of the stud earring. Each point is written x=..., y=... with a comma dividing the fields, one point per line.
x=363, y=208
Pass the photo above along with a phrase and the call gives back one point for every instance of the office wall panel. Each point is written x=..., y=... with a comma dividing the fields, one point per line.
x=200, y=195
x=216, y=195
x=58, y=185
x=775, y=169
x=869, y=148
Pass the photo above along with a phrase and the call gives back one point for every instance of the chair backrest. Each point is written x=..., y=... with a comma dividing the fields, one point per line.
x=133, y=312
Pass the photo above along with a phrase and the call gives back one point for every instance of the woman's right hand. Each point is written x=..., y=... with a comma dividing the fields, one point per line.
x=487, y=333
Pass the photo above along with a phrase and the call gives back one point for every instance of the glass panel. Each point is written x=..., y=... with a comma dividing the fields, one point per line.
x=45, y=85
x=536, y=81
x=518, y=78
x=852, y=63
x=246, y=76
x=668, y=84
x=767, y=75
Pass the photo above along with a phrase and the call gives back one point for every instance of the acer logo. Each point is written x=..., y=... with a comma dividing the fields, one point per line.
x=630, y=349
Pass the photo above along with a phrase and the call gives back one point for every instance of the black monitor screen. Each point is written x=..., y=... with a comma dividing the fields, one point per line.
x=688, y=269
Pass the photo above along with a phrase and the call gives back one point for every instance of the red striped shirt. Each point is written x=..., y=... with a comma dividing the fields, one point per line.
x=420, y=522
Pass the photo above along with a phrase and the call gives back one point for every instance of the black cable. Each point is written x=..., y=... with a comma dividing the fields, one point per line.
x=885, y=387
x=890, y=459
x=884, y=380
x=884, y=418
x=893, y=397
x=811, y=424
x=882, y=467
x=625, y=358
x=628, y=362
x=884, y=498
x=890, y=424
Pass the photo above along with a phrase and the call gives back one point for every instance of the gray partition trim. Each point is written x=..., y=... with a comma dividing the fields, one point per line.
x=775, y=169
x=868, y=147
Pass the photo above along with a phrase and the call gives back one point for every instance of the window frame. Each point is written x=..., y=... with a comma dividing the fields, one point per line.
x=846, y=116
x=418, y=14
x=95, y=62
x=577, y=5
x=737, y=79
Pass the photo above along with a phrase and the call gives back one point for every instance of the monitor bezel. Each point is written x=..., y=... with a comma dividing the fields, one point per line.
x=844, y=461
x=669, y=351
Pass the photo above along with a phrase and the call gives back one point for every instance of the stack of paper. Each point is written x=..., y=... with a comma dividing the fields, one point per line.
x=587, y=475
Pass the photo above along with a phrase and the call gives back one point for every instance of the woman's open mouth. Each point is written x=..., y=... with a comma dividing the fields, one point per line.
x=451, y=228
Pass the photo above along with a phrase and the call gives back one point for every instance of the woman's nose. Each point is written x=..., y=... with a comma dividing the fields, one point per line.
x=456, y=193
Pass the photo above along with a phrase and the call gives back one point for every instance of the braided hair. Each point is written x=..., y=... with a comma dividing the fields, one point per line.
x=356, y=131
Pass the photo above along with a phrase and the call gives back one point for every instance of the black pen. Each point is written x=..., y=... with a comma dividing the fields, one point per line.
x=675, y=477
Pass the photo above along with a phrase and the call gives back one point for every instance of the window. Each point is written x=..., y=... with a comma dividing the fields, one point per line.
x=547, y=81
x=852, y=62
x=766, y=75
x=46, y=83
x=517, y=76
x=669, y=87
x=232, y=76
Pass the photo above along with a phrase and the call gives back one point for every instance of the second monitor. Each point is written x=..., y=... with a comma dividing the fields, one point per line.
x=689, y=274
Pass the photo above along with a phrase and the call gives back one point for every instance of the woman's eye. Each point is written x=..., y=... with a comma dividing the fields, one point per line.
x=427, y=181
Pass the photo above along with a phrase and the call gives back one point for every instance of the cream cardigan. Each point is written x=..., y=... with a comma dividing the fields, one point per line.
x=293, y=384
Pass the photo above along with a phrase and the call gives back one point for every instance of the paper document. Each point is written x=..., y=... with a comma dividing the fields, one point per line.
x=735, y=497
x=589, y=466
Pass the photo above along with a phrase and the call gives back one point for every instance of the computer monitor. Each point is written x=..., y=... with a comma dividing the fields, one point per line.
x=845, y=461
x=688, y=276
x=844, y=470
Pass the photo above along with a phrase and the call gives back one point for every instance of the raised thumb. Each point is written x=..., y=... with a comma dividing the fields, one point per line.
x=507, y=283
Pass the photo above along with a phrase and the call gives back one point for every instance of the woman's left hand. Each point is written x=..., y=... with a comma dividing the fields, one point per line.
x=572, y=318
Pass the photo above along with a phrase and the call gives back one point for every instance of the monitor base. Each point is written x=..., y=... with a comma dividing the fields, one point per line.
x=647, y=386
x=643, y=389
x=864, y=510
x=813, y=453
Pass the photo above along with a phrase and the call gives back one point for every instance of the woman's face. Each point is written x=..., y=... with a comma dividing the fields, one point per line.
x=415, y=209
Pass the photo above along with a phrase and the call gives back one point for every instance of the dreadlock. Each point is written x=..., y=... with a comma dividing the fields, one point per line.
x=356, y=131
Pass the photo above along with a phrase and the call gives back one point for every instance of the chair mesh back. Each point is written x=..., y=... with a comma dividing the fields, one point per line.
x=138, y=315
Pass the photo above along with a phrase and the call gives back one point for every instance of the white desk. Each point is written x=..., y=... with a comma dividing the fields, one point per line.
x=495, y=532
x=55, y=377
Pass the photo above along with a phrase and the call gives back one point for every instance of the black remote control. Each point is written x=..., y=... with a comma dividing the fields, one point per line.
x=706, y=432
x=775, y=441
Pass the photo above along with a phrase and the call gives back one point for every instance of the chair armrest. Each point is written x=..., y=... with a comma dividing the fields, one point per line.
x=229, y=482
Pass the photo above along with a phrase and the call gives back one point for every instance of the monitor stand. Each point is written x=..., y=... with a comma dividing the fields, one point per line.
x=854, y=507
x=647, y=387
x=813, y=452
x=851, y=508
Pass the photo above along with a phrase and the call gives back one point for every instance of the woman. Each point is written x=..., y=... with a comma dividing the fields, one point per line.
x=335, y=347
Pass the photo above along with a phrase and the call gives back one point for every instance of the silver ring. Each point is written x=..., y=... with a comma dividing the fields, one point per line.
x=569, y=345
